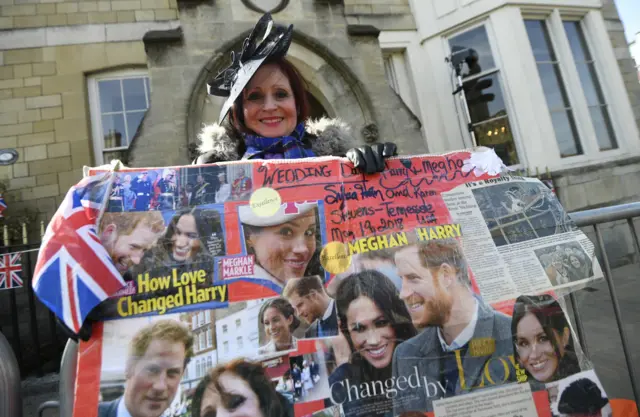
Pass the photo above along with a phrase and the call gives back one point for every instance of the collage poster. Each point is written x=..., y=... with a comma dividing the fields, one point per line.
x=308, y=289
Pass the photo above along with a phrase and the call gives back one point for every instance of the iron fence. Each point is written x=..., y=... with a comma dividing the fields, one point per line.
x=595, y=219
x=30, y=327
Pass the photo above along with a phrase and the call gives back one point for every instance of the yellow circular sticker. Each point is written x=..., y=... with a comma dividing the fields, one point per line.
x=335, y=257
x=265, y=202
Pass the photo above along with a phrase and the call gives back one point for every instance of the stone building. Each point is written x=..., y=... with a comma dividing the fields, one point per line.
x=82, y=82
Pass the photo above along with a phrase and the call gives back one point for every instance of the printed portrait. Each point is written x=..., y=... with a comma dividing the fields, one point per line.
x=285, y=245
x=143, y=364
x=542, y=339
x=565, y=262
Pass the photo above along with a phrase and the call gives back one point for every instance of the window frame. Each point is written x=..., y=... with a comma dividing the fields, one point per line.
x=95, y=109
x=550, y=31
x=591, y=25
x=499, y=70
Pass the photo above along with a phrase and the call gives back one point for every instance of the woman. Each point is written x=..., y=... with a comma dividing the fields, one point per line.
x=285, y=245
x=374, y=321
x=285, y=386
x=238, y=389
x=578, y=269
x=268, y=110
x=542, y=339
x=307, y=383
x=224, y=190
x=181, y=243
x=279, y=321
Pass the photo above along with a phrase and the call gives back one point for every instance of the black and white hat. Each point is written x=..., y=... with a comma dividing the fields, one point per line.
x=267, y=40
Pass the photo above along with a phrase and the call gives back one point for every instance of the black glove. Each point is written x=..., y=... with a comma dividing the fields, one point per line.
x=370, y=159
x=83, y=334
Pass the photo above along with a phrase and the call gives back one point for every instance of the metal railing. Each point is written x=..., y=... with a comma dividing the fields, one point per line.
x=595, y=218
x=29, y=326
x=10, y=400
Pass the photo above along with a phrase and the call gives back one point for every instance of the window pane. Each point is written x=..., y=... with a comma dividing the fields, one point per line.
x=566, y=133
x=133, y=122
x=110, y=98
x=553, y=88
x=497, y=134
x=539, y=39
x=577, y=42
x=134, y=97
x=476, y=42
x=113, y=131
x=110, y=155
x=589, y=83
x=602, y=125
x=484, y=98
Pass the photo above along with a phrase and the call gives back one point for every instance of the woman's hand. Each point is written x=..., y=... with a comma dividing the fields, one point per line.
x=370, y=159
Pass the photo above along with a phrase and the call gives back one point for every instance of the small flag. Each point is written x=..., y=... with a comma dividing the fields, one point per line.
x=3, y=205
x=10, y=269
x=74, y=272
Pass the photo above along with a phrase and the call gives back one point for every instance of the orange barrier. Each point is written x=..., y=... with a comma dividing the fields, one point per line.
x=624, y=408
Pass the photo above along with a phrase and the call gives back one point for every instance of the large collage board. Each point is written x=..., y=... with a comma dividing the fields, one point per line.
x=307, y=289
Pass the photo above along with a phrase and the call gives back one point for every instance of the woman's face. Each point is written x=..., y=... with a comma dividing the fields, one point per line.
x=241, y=401
x=269, y=103
x=286, y=249
x=536, y=350
x=574, y=261
x=277, y=326
x=371, y=333
x=185, y=240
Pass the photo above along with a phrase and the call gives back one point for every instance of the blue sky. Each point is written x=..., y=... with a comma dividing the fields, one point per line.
x=630, y=14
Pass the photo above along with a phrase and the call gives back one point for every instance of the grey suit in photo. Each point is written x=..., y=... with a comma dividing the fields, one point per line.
x=423, y=353
x=109, y=409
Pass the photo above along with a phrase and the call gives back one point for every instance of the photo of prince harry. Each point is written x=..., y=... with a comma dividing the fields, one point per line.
x=436, y=288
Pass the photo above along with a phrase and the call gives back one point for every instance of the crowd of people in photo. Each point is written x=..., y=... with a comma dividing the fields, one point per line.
x=565, y=264
x=144, y=190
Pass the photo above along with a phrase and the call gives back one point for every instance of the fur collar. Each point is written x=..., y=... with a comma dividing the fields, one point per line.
x=328, y=137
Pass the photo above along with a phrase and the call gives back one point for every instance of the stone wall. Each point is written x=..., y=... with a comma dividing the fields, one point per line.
x=44, y=115
x=48, y=47
x=599, y=186
x=623, y=55
x=43, y=13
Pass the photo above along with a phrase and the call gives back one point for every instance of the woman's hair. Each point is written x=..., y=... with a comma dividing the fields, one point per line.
x=284, y=307
x=236, y=115
x=379, y=289
x=553, y=321
x=171, y=229
x=271, y=403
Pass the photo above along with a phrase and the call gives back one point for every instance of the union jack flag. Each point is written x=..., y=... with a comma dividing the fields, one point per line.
x=74, y=272
x=10, y=268
x=3, y=205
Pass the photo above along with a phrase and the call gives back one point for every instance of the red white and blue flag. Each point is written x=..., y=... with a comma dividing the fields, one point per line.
x=3, y=205
x=74, y=272
x=10, y=269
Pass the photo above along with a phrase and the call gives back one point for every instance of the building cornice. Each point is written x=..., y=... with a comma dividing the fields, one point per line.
x=81, y=34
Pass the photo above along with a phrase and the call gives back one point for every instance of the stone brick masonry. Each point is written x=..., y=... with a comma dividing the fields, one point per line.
x=15, y=14
x=44, y=116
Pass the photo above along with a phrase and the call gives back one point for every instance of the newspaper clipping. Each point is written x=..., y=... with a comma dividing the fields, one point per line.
x=307, y=289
